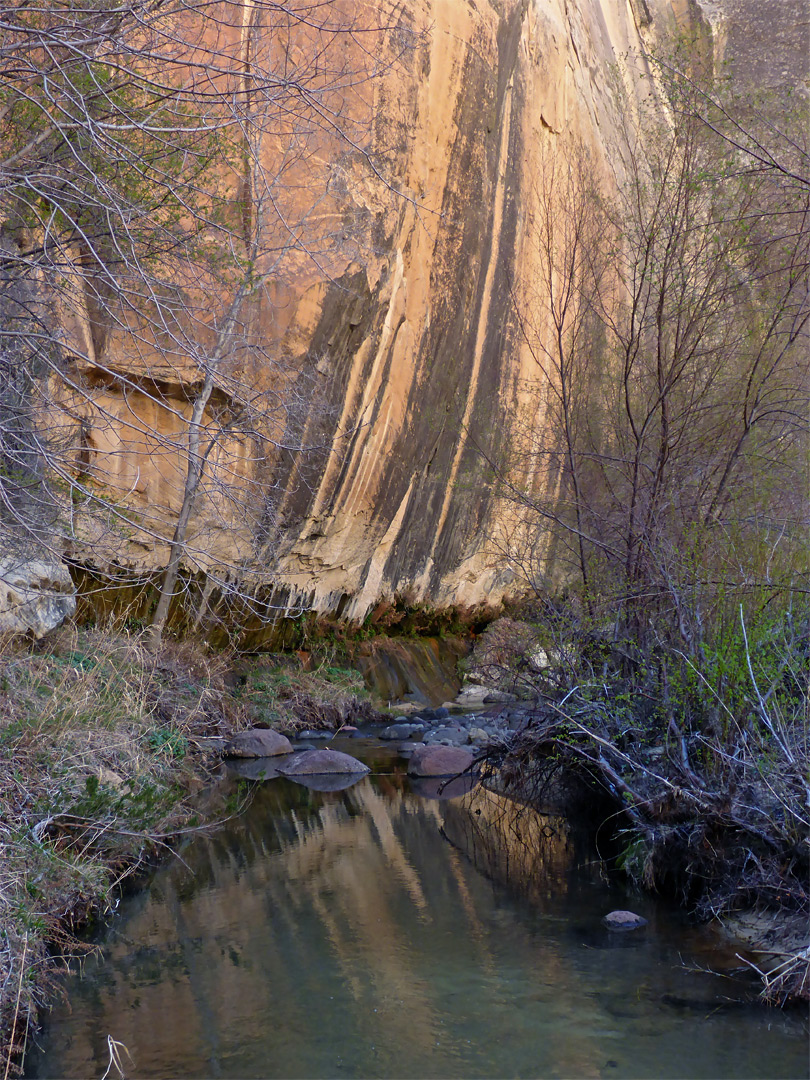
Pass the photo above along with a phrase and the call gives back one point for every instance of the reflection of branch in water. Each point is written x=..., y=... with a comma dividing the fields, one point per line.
x=511, y=843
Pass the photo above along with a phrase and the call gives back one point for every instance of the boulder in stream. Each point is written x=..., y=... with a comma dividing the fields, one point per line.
x=623, y=920
x=257, y=743
x=321, y=763
x=401, y=731
x=451, y=735
x=439, y=761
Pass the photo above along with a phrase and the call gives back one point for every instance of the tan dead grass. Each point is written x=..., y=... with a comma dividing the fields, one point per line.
x=95, y=733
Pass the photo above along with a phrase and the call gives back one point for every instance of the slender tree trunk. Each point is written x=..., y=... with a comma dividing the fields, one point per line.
x=194, y=470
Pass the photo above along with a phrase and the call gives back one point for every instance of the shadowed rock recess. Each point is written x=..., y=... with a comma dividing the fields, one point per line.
x=404, y=345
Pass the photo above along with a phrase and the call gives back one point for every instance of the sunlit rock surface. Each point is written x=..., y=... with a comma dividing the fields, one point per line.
x=36, y=595
x=406, y=346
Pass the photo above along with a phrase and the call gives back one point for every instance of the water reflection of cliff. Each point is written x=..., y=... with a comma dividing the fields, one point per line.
x=513, y=844
x=367, y=933
x=353, y=898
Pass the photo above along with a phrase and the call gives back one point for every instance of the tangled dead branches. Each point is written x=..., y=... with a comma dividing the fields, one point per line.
x=717, y=831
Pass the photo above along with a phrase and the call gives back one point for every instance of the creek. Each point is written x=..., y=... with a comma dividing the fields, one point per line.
x=377, y=932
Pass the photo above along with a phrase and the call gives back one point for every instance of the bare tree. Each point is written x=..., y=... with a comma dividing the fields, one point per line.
x=155, y=158
x=673, y=395
x=669, y=329
x=555, y=317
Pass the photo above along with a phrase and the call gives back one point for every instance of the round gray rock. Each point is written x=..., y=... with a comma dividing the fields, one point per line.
x=623, y=920
x=257, y=742
x=439, y=761
x=401, y=731
x=321, y=762
x=479, y=735
x=448, y=736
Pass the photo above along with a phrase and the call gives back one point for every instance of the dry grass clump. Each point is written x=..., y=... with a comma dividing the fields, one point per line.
x=95, y=733
x=786, y=978
x=276, y=692
x=789, y=980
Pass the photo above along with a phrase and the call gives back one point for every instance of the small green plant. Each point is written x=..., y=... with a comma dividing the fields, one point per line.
x=165, y=741
x=632, y=859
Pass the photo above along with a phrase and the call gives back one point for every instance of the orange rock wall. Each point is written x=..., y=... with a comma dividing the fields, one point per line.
x=407, y=334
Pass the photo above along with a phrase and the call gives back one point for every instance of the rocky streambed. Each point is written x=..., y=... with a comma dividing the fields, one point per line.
x=437, y=742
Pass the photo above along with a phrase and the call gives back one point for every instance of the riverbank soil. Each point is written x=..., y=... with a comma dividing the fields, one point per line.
x=106, y=750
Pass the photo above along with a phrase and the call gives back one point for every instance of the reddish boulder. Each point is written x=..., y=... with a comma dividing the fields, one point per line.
x=439, y=761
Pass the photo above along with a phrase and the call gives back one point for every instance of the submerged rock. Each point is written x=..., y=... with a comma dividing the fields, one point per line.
x=254, y=768
x=322, y=762
x=439, y=761
x=623, y=920
x=257, y=743
x=438, y=787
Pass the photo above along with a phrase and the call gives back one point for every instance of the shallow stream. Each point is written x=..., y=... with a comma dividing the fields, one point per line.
x=376, y=932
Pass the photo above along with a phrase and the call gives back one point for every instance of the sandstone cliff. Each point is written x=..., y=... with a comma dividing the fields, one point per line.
x=403, y=344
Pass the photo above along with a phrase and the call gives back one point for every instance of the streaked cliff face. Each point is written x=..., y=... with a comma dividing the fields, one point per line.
x=405, y=335
x=418, y=346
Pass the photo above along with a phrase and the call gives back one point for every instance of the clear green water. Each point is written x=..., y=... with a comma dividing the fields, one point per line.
x=374, y=933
